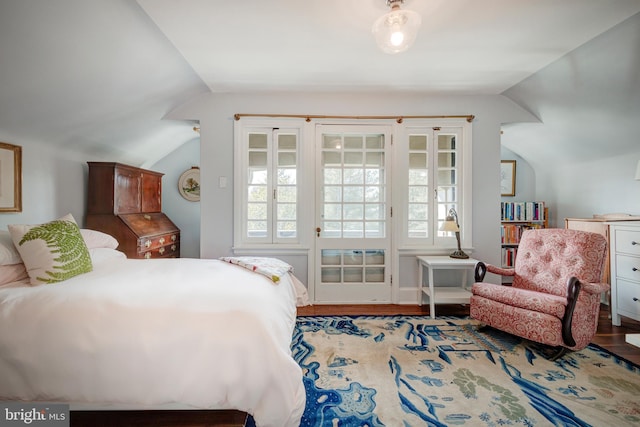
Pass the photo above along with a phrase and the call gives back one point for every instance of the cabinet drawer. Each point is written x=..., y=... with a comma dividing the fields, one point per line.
x=155, y=242
x=628, y=242
x=168, y=251
x=628, y=267
x=628, y=298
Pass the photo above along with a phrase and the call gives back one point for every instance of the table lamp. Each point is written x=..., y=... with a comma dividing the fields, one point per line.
x=450, y=224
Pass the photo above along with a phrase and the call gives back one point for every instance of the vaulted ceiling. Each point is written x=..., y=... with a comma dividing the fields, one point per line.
x=98, y=76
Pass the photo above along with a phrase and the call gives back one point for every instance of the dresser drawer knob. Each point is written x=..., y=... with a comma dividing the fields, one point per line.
x=161, y=251
x=173, y=237
x=161, y=240
x=147, y=255
x=147, y=243
x=173, y=247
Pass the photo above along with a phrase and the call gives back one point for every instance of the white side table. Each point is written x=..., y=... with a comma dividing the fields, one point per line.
x=444, y=294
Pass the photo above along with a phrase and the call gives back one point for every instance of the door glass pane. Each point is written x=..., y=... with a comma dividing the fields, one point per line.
x=352, y=266
x=358, y=186
x=331, y=142
x=352, y=275
x=353, y=142
x=331, y=275
x=333, y=176
x=353, y=194
x=353, y=176
x=375, y=142
x=332, y=194
x=352, y=159
x=374, y=194
x=330, y=158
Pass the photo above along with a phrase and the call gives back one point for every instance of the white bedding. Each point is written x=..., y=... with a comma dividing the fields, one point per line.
x=187, y=333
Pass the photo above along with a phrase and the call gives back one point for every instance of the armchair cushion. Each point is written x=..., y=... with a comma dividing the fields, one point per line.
x=523, y=298
x=548, y=258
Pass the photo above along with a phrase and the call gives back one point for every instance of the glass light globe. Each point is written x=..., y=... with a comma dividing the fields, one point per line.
x=396, y=30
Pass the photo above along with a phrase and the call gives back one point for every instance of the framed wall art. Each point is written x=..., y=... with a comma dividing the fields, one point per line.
x=10, y=178
x=507, y=177
x=189, y=184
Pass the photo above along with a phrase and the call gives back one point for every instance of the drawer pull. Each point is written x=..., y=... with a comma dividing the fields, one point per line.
x=147, y=243
x=633, y=243
x=147, y=217
x=634, y=269
x=173, y=247
x=161, y=240
x=173, y=237
x=147, y=255
x=161, y=251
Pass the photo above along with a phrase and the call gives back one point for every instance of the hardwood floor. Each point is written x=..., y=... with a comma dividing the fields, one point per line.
x=609, y=337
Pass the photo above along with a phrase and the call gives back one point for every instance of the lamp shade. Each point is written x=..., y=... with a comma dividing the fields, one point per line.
x=449, y=225
x=396, y=30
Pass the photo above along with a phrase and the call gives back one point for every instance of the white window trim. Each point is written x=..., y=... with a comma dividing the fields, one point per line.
x=270, y=244
x=306, y=184
x=432, y=245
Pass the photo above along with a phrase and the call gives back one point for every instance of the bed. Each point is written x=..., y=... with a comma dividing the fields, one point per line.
x=153, y=334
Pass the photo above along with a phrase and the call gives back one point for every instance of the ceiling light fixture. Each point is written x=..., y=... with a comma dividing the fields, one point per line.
x=396, y=30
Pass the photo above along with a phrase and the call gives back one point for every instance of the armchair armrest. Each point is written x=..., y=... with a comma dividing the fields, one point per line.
x=573, y=290
x=595, y=288
x=482, y=268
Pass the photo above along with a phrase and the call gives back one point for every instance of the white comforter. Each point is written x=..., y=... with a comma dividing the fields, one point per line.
x=186, y=333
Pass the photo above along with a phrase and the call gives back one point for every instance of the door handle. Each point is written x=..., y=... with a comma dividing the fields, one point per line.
x=318, y=230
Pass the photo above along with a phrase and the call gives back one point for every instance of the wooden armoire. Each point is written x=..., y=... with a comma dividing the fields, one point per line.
x=126, y=202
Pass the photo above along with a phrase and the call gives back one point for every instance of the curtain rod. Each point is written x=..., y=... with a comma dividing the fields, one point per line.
x=398, y=119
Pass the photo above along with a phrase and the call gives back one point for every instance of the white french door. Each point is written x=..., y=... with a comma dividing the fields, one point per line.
x=352, y=243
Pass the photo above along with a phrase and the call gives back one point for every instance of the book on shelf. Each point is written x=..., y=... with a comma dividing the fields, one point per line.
x=510, y=234
x=522, y=211
x=509, y=256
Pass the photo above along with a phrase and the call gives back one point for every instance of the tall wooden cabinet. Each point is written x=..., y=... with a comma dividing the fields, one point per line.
x=126, y=202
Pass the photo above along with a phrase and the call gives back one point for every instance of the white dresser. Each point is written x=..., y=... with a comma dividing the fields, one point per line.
x=625, y=270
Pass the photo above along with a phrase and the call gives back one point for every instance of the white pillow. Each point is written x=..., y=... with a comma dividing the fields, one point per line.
x=8, y=253
x=100, y=255
x=13, y=273
x=52, y=252
x=97, y=239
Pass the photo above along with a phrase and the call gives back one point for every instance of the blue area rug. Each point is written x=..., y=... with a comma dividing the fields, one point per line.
x=415, y=371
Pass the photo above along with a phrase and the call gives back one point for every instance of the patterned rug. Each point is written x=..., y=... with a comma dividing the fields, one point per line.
x=415, y=371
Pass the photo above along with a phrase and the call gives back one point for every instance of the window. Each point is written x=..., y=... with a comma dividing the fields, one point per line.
x=268, y=178
x=427, y=171
x=433, y=177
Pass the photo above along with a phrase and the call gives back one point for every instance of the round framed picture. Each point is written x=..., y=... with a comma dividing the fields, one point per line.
x=189, y=184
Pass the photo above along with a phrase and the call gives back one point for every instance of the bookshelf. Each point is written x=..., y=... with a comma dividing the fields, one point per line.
x=516, y=217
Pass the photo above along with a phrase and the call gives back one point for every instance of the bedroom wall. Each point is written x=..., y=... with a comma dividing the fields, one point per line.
x=53, y=184
x=215, y=113
x=525, y=178
x=184, y=214
x=587, y=146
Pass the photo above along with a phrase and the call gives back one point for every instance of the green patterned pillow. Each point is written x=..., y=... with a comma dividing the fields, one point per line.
x=52, y=252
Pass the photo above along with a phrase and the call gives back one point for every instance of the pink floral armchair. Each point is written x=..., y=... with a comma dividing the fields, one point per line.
x=555, y=295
